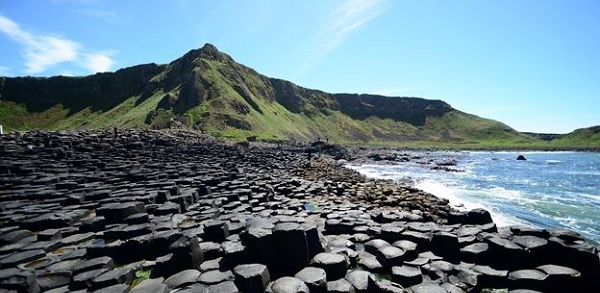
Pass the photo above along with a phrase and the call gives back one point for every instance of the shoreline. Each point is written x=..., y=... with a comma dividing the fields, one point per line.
x=173, y=206
x=442, y=182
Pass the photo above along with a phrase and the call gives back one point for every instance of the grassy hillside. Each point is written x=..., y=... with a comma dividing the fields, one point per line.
x=584, y=138
x=208, y=91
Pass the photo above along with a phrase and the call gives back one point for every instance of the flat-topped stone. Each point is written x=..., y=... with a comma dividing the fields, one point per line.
x=315, y=278
x=335, y=265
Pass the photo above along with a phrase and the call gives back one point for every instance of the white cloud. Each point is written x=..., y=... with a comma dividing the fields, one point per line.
x=342, y=22
x=99, y=62
x=348, y=17
x=44, y=51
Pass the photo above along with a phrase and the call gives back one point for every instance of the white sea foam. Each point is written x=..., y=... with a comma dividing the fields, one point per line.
x=460, y=203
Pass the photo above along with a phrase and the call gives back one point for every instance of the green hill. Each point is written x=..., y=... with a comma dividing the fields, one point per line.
x=208, y=91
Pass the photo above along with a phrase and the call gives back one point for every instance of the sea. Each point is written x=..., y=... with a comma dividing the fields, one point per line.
x=548, y=190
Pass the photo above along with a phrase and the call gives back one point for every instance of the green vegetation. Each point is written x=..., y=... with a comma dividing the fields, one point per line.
x=208, y=91
x=140, y=276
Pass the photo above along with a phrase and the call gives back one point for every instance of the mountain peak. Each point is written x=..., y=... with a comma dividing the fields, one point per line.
x=210, y=51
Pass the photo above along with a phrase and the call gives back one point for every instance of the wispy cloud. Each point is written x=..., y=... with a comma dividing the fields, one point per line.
x=394, y=91
x=99, y=62
x=42, y=51
x=343, y=21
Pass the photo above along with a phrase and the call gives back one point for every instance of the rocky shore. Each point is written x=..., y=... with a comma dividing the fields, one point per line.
x=142, y=211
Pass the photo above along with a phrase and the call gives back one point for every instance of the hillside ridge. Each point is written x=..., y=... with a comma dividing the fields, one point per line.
x=206, y=90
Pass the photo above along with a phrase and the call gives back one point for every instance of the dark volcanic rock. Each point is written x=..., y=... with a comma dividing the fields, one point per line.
x=292, y=248
x=251, y=277
x=218, y=217
x=407, y=275
x=335, y=265
x=288, y=285
x=183, y=278
x=314, y=278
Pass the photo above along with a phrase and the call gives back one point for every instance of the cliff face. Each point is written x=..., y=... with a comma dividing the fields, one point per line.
x=100, y=91
x=411, y=110
x=207, y=90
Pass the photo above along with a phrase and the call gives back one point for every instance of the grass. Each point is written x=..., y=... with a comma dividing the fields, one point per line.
x=140, y=276
x=269, y=120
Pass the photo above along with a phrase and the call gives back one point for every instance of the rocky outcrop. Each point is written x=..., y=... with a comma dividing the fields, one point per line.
x=99, y=212
x=410, y=110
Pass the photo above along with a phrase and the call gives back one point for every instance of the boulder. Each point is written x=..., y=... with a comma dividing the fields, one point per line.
x=478, y=217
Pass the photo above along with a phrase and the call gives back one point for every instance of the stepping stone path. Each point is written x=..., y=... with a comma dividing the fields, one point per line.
x=147, y=211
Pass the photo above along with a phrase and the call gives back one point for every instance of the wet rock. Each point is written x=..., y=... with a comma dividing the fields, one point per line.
x=561, y=279
x=527, y=279
x=93, y=264
x=16, y=236
x=18, y=281
x=21, y=257
x=53, y=279
x=478, y=217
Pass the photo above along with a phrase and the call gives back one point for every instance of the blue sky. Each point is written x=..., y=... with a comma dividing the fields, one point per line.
x=534, y=65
